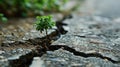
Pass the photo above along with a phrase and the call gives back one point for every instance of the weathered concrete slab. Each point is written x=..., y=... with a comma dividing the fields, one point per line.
x=63, y=58
x=91, y=34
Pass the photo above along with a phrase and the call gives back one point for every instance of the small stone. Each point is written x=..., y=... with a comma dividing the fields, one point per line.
x=37, y=62
x=76, y=65
x=1, y=52
x=20, y=50
x=91, y=51
x=1, y=33
x=2, y=59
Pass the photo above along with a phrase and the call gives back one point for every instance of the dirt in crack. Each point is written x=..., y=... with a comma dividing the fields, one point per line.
x=82, y=54
x=26, y=60
x=40, y=43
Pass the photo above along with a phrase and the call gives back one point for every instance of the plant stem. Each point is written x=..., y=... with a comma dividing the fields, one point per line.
x=46, y=33
x=47, y=38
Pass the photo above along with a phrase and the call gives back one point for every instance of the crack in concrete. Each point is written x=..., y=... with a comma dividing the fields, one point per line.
x=39, y=51
x=82, y=54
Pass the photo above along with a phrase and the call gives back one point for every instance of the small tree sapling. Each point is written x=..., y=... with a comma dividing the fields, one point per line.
x=43, y=23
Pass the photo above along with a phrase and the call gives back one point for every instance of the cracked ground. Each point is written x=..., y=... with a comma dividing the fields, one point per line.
x=82, y=40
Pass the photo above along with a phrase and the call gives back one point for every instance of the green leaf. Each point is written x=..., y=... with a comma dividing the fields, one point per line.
x=44, y=22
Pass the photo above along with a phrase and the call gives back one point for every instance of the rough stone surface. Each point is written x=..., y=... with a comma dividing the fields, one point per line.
x=63, y=58
x=16, y=53
x=87, y=34
x=4, y=62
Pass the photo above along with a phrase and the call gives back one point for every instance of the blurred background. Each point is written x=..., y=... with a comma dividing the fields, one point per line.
x=32, y=8
x=28, y=8
x=105, y=8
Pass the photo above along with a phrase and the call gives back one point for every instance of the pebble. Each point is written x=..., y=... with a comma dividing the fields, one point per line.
x=1, y=52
